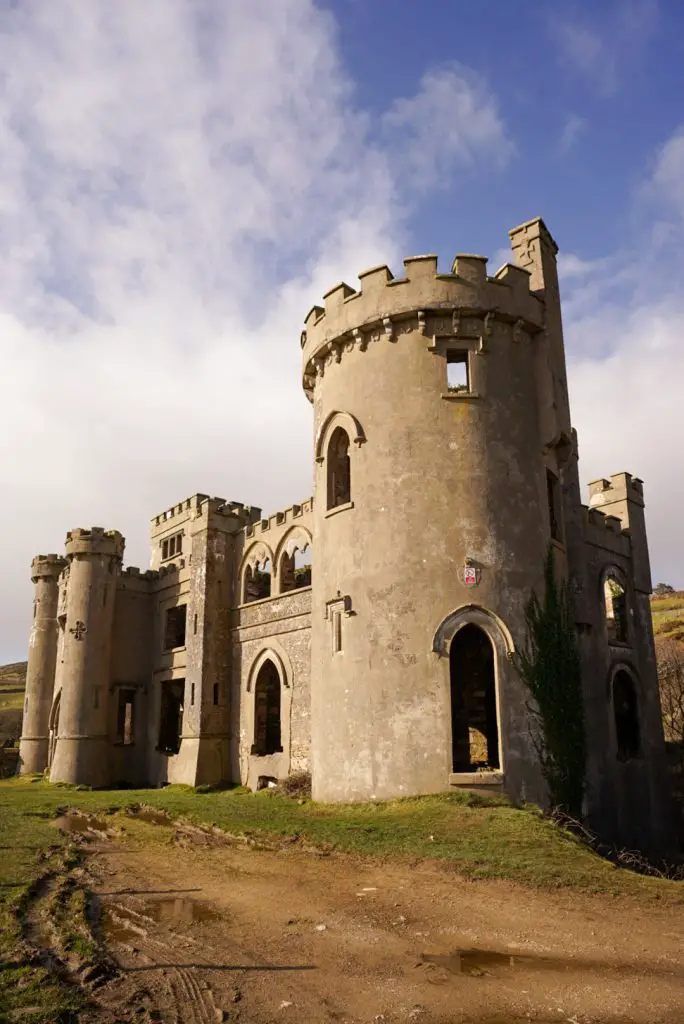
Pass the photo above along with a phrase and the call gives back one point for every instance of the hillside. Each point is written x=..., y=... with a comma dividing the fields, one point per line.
x=668, y=616
x=12, y=685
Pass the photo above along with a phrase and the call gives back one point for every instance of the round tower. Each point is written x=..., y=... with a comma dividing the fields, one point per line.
x=81, y=750
x=42, y=661
x=431, y=524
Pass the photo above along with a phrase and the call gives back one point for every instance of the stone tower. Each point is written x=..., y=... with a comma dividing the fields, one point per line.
x=81, y=754
x=440, y=407
x=42, y=661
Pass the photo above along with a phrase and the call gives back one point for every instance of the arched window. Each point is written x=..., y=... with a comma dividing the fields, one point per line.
x=267, y=738
x=339, y=469
x=474, y=727
x=615, y=604
x=295, y=569
x=257, y=581
x=626, y=711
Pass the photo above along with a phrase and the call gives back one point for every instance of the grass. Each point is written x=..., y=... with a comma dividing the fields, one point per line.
x=668, y=616
x=475, y=837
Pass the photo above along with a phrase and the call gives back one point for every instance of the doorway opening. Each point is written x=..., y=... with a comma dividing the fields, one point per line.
x=474, y=727
x=267, y=737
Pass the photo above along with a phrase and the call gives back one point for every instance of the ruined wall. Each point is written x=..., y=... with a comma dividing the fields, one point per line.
x=131, y=670
x=278, y=629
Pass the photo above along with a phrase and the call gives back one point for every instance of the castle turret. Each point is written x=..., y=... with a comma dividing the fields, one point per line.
x=42, y=660
x=430, y=524
x=81, y=751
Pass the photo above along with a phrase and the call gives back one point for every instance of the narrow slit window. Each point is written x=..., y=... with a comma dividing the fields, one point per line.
x=125, y=717
x=216, y=693
x=553, y=500
x=458, y=376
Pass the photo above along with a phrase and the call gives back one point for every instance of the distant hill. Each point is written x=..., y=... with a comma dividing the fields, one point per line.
x=12, y=686
x=668, y=616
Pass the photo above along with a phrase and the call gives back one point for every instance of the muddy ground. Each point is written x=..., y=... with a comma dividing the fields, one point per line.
x=198, y=929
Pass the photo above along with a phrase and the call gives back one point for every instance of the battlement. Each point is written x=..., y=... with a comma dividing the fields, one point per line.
x=620, y=487
x=47, y=567
x=605, y=531
x=182, y=506
x=95, y=541
x=289, y=515
x=385, y=306
x=133, y=571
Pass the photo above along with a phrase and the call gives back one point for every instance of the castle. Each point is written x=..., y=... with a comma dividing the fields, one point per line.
x=366, y=634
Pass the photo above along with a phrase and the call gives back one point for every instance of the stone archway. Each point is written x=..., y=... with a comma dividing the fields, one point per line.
x=474, y=720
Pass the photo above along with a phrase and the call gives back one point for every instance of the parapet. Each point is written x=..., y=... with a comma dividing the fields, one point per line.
x=95, y=541
x=133, y=578
x=47, y=567
x=606, y=531
x=620, y=487
x=386, y=307
x=289, y=515
x=182, y=506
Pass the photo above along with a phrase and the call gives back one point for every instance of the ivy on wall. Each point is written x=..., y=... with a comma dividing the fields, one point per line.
x=549, y=665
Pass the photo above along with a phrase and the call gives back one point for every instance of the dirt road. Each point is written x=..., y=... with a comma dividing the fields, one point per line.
x=204, y=931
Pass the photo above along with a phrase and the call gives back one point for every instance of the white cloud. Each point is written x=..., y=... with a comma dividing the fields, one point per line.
x=602, y=48
x=572, y=130
x=624, y=321
x=180, y=182
x=452, y=120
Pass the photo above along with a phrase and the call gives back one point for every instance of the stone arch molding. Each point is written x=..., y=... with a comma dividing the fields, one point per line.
x=472, y=614
x=297, y=537
x=338, y=419
x=256, y=554
x=278, y=656
x=623, y=666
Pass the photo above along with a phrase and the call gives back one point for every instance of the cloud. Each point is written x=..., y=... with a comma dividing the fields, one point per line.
x=602, y=48
x=572, y=129
x=180, y=182
x=624, y=321
x=667, y=181
x=453, y=120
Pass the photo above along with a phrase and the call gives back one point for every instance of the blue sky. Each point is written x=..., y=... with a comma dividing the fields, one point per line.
x=181, y=181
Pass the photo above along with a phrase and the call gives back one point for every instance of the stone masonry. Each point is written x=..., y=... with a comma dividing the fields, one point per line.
x=445, y=464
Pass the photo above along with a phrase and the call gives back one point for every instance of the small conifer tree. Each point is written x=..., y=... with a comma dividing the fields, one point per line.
x=550, y=668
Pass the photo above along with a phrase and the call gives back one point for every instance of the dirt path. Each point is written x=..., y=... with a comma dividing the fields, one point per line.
x=206, y=931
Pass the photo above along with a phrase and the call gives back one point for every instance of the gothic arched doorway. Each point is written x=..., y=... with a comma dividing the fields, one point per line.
x=474, y=728
x=267, y=725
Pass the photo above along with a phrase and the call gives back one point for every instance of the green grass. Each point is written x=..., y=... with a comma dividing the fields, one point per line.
x=475, y=837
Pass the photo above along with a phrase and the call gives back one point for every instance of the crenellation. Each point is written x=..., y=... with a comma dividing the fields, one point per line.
x=371, y=604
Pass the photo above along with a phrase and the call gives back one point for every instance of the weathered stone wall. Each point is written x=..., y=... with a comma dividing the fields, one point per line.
x=279, y=629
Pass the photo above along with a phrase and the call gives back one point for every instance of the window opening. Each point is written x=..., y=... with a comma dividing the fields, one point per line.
x=339, y=469
x=458, y=376
x=474, y=728
x=172, y=546
x=295, y=569
x=257, y=581
x=626, y=711
x=194, y=625
x=192, y=693
x=615, y=601
x=174, y=630
x=124, y=717
x=216, y=693
x=267, y=738
x=171, y=716
x=553, y=501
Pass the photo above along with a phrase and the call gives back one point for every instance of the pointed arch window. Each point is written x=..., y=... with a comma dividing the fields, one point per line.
x=339, y=469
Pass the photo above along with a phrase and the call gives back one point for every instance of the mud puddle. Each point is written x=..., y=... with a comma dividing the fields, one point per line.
x=481, y=962
x=79, y=823
x=122, y=924
x=150, y=816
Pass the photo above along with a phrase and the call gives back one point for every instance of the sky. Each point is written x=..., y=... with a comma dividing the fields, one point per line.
x=181, y=180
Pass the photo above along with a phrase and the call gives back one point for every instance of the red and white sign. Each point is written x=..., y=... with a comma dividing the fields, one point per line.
x=470, y=575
